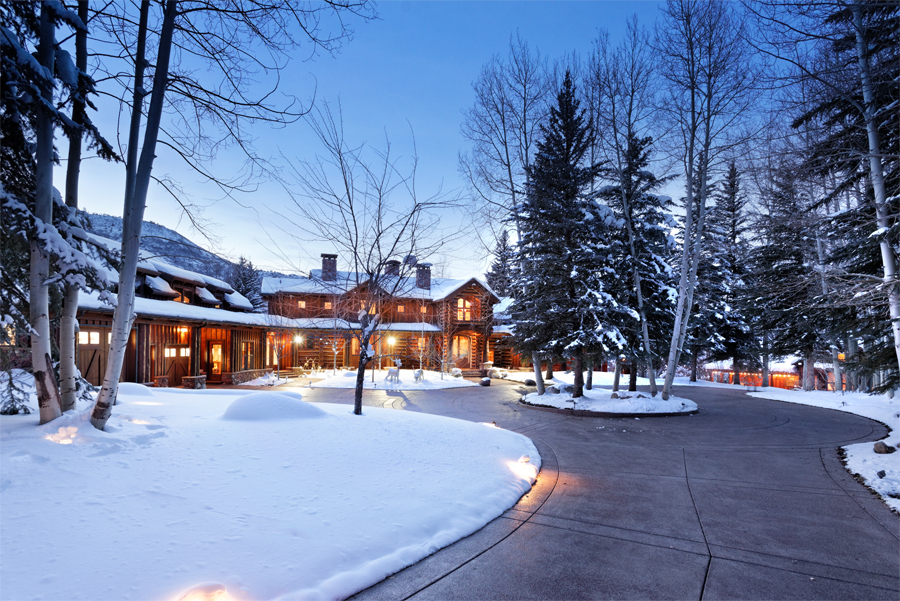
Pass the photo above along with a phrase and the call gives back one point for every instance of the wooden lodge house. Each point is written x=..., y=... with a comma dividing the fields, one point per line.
x=424, y=321
x=192, y=330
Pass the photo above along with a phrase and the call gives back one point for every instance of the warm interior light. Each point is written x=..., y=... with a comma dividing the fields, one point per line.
x=392, y=340
x=298, y=339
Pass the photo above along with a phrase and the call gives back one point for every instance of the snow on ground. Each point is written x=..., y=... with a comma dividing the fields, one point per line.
x=270, y=379
x=861, y=458
x=598, y=399
x=407, y=381
x=259, y=493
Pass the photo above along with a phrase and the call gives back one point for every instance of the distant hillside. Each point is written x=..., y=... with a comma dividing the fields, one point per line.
x=168, y=245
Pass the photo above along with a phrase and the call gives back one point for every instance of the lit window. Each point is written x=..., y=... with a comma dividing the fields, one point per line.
x=109, y=338
x=95, y=337
x=83, y=338
x=464, y=310
x=423, y=309
x=327, y=304
x=401, y=309
x=9, y=336
x=185, y=352
x=421, y=342
x=301, y=304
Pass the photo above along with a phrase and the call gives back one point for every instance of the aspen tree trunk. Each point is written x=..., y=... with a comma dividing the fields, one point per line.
x=852, y=375
x=536, y=366
x=808, y=370
x=617, y=374
x=765, y=360
x=876, y=171
x=68, y=322
x=694, y=352
x=632, y=377
x=589, y=379
x=39, y=301
x=137, y=183
x=549, y=375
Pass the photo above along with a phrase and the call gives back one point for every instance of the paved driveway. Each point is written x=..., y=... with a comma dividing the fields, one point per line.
x=746, y=499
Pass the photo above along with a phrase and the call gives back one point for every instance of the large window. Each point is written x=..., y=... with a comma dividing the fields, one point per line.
x=464, y=309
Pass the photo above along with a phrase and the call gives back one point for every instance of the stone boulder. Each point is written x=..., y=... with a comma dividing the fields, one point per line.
x=883, y=449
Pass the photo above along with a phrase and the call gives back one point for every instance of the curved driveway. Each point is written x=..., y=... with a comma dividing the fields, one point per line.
x=746, y=499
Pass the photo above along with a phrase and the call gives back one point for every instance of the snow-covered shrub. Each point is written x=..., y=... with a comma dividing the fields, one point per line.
x=456, y=372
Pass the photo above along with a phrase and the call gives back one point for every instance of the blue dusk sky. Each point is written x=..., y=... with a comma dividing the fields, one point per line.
x=409, y=71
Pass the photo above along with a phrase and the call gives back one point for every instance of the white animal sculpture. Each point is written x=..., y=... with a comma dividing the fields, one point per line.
x=393, y=375
x=420, y=375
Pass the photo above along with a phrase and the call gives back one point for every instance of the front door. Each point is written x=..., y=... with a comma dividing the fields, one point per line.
x=462, y=351
x=178, y=363
x=215, y=361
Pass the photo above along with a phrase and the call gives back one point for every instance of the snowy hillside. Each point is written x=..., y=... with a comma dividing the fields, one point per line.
x=168, y=245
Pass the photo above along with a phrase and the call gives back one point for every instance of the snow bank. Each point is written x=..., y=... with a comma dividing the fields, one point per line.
x=176, y=498
x=271, y=406
x=600, y=378
x=599, y=400
x=862, y=459
x=407, y=381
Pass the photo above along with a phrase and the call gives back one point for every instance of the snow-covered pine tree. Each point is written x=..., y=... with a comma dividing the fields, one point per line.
x=567, y=247
x=784, y=286
x=646, y=248
x=499, y=276
x=730, y=248
x=245, y=279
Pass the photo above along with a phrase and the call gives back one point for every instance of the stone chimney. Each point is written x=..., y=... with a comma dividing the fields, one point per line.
x=423, y=276
x=392, y=267
x=329, y=267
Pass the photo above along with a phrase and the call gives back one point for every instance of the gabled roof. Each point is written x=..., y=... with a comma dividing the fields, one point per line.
x=405, y=287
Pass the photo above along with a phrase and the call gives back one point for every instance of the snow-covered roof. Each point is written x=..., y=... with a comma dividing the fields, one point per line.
x=206, y=296
x=502, y=330
x=501, y=307
x=160, y=286
x=404, y=287
x=148, y=307
x=784, y=365
x=238, y=300
x=408, y=327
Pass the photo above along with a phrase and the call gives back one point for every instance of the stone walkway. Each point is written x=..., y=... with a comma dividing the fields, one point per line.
x=746, y=500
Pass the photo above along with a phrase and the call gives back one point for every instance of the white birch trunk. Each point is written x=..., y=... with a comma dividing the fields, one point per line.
x=538, y=378
x=134, y=211
x=876, y=171
x=68, y=322
x=617, y=374
x=44, y=379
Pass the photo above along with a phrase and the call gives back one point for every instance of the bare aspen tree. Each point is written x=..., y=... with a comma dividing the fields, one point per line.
x=44, y=378
x=621, y=84
x=367, y=208
x=711, y=80
x=234, y=41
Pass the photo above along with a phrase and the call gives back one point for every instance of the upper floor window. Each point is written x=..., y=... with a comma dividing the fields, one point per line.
x=423, y=309
x=301, y=304
x=401, y=309
x=327, y=304
x=464, y=309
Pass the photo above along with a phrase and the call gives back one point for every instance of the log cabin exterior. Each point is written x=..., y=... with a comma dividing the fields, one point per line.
x=189, y=330
x=424, y=321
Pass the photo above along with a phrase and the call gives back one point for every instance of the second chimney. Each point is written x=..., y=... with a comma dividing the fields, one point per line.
x=423, y=276
x=329, y=267
x=392, y=267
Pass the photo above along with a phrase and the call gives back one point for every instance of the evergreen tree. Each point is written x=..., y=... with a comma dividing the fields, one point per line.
x=567, y=247
x=500, y=275
x=646, y=248
x=722, y=330
x=246, y=280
